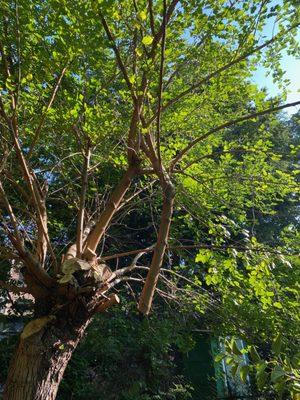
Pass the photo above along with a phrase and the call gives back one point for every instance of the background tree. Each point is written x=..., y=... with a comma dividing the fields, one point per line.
x=146, y=94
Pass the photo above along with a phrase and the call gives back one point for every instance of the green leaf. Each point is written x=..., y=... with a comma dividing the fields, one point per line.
x=244, y=370
x=138, y=52
x=234, y=369
x=235, y=349
x=254, y=355
x=220, y=357
x=147, y=40
x=229, y=360
x=261, y=375
x=277, y=373
x=262, y=379
x=203, y=256
x=143, y=15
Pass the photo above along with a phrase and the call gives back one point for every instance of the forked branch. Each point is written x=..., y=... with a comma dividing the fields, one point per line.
x=168, y=14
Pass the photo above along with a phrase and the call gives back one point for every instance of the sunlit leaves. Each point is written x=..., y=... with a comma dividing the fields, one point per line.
x=147, y=40
x=225, y=186
x=279, y=370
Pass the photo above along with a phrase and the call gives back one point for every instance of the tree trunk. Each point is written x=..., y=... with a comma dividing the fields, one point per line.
x=41, y=358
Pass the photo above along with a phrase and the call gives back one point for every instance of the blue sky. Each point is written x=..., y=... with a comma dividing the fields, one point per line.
x=289, y=64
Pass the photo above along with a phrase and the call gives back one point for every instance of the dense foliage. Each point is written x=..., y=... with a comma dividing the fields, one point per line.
x=136, y=151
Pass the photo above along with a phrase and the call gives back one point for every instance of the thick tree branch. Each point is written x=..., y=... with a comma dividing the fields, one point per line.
x=159, y=251
x=134, y=140
x=42, y=234
x=110, y=209
x=72, y=250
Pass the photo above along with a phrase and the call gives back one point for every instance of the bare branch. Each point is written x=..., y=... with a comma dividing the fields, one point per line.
x=132, y=266
x=150, y=8
x=18, y=241
x=18, y=37
x=17, y=185
x=218, y=153
x=51, y=100
x=195, y=246
x=13, y=288
x=35, y=190
x=80, y=219
x=117, y=54
x=159, y=251
x=161, y=74
x=123, y=279
x=30, y=262
x=39, y=203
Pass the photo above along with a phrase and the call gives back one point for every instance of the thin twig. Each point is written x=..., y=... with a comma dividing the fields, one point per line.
x=197, y=246
x=157, y=38
x=227, y=125
x=43, y=117
x=13, y=288
x=161, y=75
x=150, y=8
x=228, y=65
x=117, y=54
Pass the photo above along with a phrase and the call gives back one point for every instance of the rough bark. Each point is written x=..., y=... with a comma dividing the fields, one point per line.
x=41, y=358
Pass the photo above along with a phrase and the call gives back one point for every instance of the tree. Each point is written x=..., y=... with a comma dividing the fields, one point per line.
x=126, y=90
